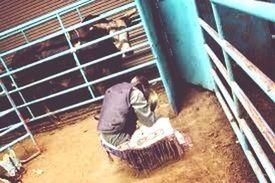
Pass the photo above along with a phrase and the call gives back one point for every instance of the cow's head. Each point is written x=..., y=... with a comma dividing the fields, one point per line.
x=121, y=41
x=90, y=32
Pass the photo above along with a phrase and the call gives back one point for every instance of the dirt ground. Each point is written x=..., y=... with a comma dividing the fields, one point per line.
x=72, y=153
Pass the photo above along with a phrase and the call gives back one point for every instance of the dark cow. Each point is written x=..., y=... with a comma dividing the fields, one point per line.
x=58, y=44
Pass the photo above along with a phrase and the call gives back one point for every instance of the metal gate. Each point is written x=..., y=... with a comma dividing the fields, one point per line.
x=60, y=22
x=231, y=103
x=22, y=123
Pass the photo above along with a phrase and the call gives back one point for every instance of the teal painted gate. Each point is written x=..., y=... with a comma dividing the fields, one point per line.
x=183, y=57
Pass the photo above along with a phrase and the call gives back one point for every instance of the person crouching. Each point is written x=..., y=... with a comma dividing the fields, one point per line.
x=123, y=105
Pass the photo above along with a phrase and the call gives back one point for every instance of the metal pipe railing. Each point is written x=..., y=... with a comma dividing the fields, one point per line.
x=225, y=55
x=90, y=83
x=241, y=138
x=74, y=55
x=7, y=127
x=77, y=105
x=25, y=36
x=264, y=82
x=57, y=14
x=260, y=9
x=260, y=153
x=14, y=142
x=43, y=18
x=13, y=127
x=267, y=165
x=18, y=114
x=73, y=106
x=262, y=125
x=160, y=65
x=73, y=27
x=5, y=112
x=79, y=14
x=90, y=63
x=259, y=121
x=15, y=84
x=70, y=50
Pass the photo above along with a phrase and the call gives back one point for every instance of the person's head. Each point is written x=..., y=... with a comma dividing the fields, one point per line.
x=142, y=84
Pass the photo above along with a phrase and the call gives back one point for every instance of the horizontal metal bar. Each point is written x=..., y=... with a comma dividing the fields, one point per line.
x=15, y=85
x=70, y=50
x=77, y=105
x=265, y=83
x=260, y=9
x=7, y=127
x=13, y=127
x=1, y=93
x=50, y=58
x=3, y=113
x=261, y=124
x=258, y=150
x=42, y=19
x=90, y=83
x=224, y=91
x=155, y=80
x=251, y=159
x=73, y=27
x=252, y=111
x=18, y=114
x=14, y=142
x=93, y=62
x=67, y=108
x=216, y=61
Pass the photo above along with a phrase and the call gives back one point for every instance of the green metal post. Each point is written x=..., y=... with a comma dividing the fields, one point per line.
x=145, y=11
x=74, y=55
x=226, y=57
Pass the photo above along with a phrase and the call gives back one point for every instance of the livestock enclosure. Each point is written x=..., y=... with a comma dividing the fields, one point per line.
x=53, y=73
x=52, y=25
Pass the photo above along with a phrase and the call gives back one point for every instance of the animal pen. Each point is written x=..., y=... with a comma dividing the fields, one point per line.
x=173, y=42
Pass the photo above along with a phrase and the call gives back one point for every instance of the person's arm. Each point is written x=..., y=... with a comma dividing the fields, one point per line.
x=142, y=108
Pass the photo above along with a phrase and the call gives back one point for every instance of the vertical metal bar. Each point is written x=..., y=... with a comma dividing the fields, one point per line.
x=25, y=36
x=79, y=14
x=18, y=114
x=74, y=55
x=225, y=55
x=246, y=131
x=43, y=18
x=241, y=138
x=160, y=66
x=13, y=81
x=267, y=165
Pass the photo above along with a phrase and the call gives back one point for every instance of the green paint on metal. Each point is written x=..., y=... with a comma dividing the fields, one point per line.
x=177, y=41
x=186, y=41
x=149, y=19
